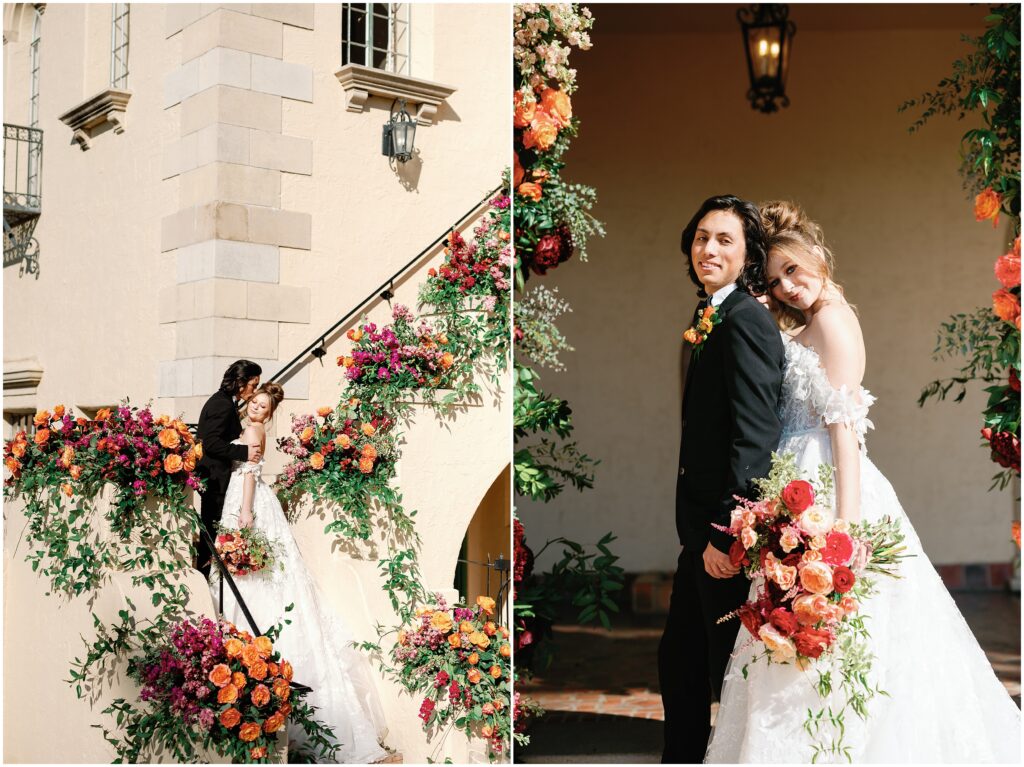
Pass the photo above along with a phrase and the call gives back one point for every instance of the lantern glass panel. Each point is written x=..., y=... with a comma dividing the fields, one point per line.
x=766, y=51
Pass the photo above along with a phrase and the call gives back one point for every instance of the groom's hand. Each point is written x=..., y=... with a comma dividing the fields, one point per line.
x=254, y=453
x=717, y=564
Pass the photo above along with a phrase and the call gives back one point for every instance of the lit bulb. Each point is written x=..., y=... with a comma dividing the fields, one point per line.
x=775, y=50
x=762, y=48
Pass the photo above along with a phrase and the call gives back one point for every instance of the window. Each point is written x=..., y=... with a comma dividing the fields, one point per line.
x=36, y=147
x=119, y=45
x=376, y=35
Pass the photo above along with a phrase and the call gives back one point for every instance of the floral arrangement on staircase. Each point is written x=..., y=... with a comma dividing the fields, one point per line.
x=552, y=223
x=345, y=455
x=987, y=81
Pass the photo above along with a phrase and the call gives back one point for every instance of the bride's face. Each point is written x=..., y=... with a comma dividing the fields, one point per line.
x=258, y=408
x=791, y=283
x=719, y=250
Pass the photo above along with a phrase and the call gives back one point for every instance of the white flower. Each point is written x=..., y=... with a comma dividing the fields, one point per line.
x=816, y=521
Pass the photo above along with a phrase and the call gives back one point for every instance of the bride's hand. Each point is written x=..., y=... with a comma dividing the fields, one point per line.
x=245, y=519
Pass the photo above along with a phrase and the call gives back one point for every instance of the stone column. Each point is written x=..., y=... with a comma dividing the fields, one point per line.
x=226, y=236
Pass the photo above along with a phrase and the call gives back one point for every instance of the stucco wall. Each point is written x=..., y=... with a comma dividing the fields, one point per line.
x=665, y=124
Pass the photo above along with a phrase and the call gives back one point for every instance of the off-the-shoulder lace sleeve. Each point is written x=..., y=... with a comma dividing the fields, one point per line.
x=845, y=406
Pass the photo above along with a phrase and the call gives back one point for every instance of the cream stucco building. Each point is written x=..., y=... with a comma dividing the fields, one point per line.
x=207, y=184
x=665, y=123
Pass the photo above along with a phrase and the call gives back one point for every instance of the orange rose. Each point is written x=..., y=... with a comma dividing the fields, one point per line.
x=691, y=336
x=307, y=435
x=1006, y=305
x=447, y=360
x=41, y=418
x=524, y=109
x=316, y=461
x=487, y=730
x=273, y=723
x=189, y=461
x=286, y=670
x=198, y=449
x=258, y=753
x=455, y=639
x=505, y=651
x=103, y=414
x=365, y=465
x=173, y=463
x=466, y=627
x=490, y=629
x=169, y=438
x=346, y=361
x=249, y=732
x=286, y=708
x=368, y=429
x=343, y=441
x=233, y=647
x=542, y=133
x=260, y=695
x=227, y=694
x=486, y=604
x=531, y=191
x=258, y=670
x=323, y=412
x=517, y=171
x=282, y=689
x=238, y=680
x=480, y=639
x=369, y=451
x=12, y=464
x=67, y=490
x=558, y=106
x=250, y=655
x=403, y=637
x=504, y=632
x=58, y=412
x=355, y=334
x=442, y=621
x=220, y=675
x=230, y=718
x=67, y=456
x=275, y=670
x=19, y=449
x=42, y=436
x=264, y=645
x=1008, y=267
x=474, y=658
x=474, y=675
x=495, y=671
x=182, y=428
x=986, y=206
x=816, y=577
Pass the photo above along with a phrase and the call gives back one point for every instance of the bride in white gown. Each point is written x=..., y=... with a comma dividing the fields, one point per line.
x=944, y=702
x=316, y=642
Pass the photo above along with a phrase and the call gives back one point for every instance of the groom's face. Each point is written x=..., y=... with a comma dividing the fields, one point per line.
x=719, y=250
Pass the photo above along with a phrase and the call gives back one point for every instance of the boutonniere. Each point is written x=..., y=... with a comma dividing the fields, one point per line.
x=699, y=333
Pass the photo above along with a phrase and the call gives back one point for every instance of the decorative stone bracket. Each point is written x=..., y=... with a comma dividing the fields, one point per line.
x=362, y=82
x=21, y=380
x=87, y=118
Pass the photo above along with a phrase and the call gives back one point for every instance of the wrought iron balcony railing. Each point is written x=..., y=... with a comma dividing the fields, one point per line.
x=23, y=174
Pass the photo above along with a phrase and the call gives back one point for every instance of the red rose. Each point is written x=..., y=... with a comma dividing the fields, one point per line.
x=784, y=621
x=843, y=579
x=812, y=642
x=838, y=549
x=793, y=559
x=750, y=618
x=547, y=253
x=798, y=495
x=1006, y=450
x=738, y=554
x=1014, y=380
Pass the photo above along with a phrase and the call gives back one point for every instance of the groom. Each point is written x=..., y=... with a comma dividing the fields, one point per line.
x=219, y=424
x=730, y=428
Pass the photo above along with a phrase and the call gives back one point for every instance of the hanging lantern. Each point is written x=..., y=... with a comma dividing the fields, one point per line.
x=399, y=138
x=767, y=35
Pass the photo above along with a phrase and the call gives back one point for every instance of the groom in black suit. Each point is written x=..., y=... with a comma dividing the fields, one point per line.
x=219, y=424
x=730, y=428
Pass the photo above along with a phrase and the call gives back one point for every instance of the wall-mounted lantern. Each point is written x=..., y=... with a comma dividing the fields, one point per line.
x=399, y=138
x=767, y=36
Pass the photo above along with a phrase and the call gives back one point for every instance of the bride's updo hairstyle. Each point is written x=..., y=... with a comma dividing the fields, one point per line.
x=275, y=392
x=790, y=233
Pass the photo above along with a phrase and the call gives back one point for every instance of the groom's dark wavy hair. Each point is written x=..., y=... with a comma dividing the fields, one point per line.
x=752, y=278
x=238, y=375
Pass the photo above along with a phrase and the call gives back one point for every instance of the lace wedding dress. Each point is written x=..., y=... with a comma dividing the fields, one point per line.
x=316, y=642
x=945, y=703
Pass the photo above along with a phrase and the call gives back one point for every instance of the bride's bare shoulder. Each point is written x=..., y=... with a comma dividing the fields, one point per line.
x=253, y=433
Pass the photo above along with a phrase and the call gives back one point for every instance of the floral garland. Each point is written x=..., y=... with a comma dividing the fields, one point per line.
x=552, y=223
x=988, y=80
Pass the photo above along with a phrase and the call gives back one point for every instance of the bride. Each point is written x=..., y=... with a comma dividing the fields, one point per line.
x=944, y=702
x=316, y=642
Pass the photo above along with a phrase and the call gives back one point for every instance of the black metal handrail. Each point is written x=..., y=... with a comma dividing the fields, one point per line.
x=501, y=567
x=383, y=292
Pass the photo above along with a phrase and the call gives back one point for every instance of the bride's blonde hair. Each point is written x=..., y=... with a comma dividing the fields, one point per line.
x=275, y=392
x=790, y=233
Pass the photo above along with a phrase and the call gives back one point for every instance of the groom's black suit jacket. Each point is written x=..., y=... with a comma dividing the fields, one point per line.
x=730, y=419
x=218, y=426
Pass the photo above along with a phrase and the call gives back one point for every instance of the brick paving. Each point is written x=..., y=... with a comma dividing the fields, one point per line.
x=602, y=698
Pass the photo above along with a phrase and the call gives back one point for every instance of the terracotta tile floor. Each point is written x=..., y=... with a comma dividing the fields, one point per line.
x=602, y=696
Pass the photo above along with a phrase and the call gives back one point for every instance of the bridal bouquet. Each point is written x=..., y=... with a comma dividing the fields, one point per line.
x=815, y=572
x=212, y=685
x=245, y=551
x=460, y=659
